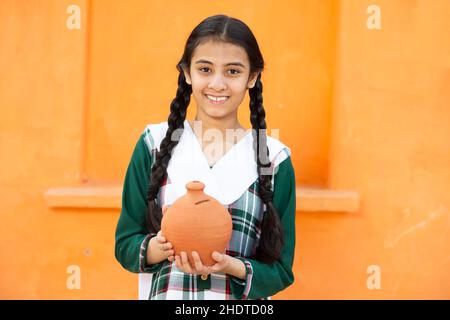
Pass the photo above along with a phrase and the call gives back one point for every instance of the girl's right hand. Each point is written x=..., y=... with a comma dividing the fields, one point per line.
x=158, y=248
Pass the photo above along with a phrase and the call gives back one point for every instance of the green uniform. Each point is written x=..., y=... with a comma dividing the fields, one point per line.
x=232, y=183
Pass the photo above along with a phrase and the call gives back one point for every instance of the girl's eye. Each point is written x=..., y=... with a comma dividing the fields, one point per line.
x=232, y=71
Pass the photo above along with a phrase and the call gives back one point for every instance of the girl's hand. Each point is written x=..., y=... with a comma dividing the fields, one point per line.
x=223, y=263
x=184, y=265
x=158, y=248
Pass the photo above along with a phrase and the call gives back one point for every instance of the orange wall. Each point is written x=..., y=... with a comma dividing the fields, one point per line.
x=366, y=110
x=391, y=142
x=132, y=71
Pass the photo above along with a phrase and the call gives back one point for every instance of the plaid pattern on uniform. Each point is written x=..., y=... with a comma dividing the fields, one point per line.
x=168, y=282
x=163, y=280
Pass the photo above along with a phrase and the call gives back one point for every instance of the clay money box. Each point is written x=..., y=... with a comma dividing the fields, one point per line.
x=197, y=222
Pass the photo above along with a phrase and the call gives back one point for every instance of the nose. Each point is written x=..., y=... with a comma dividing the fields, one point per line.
x=217, y=83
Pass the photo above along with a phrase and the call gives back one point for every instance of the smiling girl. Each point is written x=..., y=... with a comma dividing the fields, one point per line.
x=252, y=177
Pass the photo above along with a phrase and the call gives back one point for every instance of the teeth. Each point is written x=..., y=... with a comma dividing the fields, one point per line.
x=217, y=98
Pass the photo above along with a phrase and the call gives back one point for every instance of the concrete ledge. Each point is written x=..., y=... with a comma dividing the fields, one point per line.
x=100, y=196
x=318, y=199
x=110, y=196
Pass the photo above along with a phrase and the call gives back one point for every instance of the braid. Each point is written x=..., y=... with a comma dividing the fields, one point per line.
x=158, y=172
x=271, y=239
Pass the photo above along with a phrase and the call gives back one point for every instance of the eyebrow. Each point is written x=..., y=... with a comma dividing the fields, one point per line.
x=226, y=65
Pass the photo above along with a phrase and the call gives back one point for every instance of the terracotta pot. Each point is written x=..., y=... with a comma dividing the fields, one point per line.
x=197, y=222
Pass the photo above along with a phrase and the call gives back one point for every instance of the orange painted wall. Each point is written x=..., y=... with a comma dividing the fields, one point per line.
x=366, y=110
x=390, y=140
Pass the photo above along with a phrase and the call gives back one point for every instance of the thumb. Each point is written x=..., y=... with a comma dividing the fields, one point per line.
x=217, y=256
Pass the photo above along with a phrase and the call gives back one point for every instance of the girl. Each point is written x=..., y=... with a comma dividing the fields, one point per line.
x=254, y=178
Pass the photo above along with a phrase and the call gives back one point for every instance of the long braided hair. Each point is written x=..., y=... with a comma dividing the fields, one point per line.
x=231, y=30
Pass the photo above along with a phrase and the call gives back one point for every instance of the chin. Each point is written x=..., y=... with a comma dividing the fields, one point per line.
x=214, y=110
x=216, y=113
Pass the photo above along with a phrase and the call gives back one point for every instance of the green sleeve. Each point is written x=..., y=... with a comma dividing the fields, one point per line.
x=264, y=280
x=131, y=237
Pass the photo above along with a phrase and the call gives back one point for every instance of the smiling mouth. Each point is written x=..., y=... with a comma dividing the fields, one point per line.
x=216, y=100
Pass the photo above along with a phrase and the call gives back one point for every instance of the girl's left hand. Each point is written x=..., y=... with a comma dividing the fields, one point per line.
x=223, y=261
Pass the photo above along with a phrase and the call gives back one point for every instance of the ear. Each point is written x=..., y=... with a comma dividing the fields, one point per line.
x=252, y=80
x=187, y=76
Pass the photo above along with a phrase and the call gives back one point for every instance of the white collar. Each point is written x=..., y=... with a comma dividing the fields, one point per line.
x=227, y=180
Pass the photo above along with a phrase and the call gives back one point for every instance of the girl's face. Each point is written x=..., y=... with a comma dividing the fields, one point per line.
x=220, y=76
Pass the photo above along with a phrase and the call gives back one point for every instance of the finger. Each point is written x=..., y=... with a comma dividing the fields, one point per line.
x=161, y=247
x=197, y=262
x=199, y=266
x=171, y=258
x=216, y=268
x=166, y=251
x=159, y=237
x=217, y=256
x=161, y=240
x=166, y=246
x=169, y=253
x=164, y=209
x=178, y=262
x=185, y=262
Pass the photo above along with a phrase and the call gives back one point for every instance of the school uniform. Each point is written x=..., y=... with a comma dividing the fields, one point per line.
x=233, y=181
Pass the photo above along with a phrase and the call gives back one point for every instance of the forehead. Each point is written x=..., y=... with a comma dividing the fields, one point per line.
x=219, y=52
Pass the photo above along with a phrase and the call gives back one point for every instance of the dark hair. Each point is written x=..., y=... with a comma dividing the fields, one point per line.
x=230, y=30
